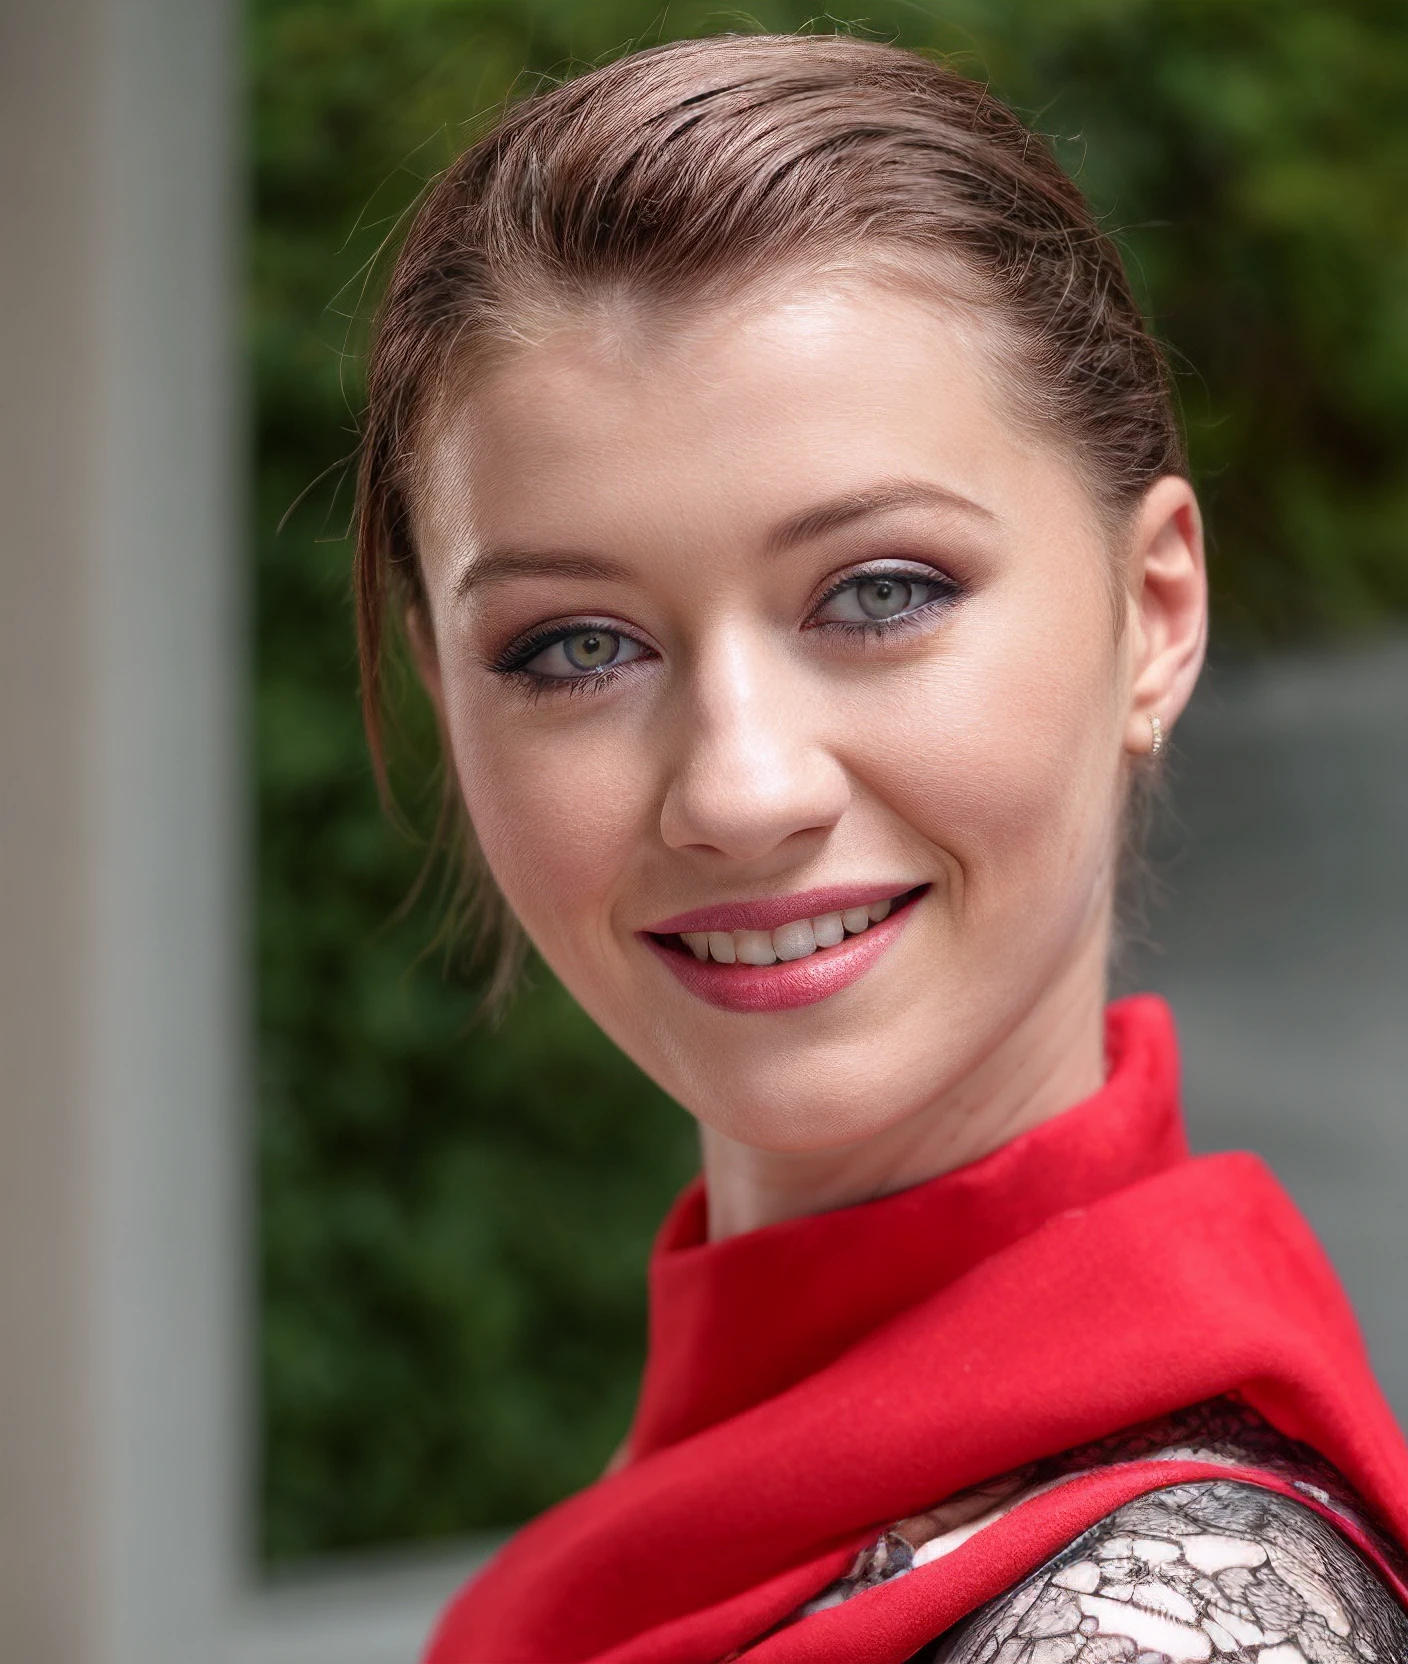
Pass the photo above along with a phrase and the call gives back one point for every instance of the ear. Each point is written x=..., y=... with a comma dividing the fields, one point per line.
x=1167, y=601
x=421, y=635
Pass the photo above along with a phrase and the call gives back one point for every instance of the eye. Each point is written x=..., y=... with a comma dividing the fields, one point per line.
x=878, y=597
x=573, y=654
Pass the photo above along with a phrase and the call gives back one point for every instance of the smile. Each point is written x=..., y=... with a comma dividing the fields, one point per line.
x=779, y=954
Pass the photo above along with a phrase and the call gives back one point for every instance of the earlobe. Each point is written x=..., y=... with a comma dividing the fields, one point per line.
x=1169, y=612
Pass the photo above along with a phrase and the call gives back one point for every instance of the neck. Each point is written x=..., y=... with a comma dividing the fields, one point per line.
x=1052, y=1058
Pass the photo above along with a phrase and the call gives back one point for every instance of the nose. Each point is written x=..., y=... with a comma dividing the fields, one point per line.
x=748, y=767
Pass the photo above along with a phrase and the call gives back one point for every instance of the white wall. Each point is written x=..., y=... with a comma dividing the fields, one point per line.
x=121, y=833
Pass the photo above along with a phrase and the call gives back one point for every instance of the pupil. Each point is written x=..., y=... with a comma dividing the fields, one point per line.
x=884, y=597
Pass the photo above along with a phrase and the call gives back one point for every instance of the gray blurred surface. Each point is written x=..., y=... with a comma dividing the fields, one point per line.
x=123, y=1283
x=1283, y=947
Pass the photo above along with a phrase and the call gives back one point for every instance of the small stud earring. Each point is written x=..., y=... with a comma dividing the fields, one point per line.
x=1156, y=736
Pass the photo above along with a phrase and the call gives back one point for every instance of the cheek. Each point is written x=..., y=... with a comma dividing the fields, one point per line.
x=1007, y=756
x=557, y=809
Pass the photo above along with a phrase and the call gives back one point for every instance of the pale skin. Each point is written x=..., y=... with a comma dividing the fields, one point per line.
x=694, y=489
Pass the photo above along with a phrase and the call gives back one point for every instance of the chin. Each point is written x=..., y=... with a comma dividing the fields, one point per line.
x=800, y=1107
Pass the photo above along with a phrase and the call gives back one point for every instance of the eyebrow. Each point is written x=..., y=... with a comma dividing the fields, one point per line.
x=495, y=565
x=856, y=505
x=498, y=565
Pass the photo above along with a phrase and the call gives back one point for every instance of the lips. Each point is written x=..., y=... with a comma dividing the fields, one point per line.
x=778, y=910
x=784, y=952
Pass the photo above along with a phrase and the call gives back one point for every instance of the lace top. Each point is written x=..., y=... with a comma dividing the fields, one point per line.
x=1282, y=1567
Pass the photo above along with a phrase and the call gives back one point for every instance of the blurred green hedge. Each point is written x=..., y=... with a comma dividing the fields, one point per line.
x=455, y=1217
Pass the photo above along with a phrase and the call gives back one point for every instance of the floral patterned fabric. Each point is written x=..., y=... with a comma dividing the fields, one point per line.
x=1216, y=1570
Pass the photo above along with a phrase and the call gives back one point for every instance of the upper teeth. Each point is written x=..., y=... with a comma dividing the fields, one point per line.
x=794, y=940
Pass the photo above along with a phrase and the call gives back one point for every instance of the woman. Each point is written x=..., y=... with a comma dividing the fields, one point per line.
x=784, y=501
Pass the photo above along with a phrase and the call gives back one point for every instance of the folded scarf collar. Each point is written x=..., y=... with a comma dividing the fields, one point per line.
x=735, y=1322
x=813, y=1381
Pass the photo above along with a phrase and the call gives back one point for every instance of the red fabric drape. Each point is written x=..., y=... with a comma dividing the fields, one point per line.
x=814, y=1381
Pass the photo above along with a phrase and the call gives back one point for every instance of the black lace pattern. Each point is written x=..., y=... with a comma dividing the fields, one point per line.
x=1213, y=1570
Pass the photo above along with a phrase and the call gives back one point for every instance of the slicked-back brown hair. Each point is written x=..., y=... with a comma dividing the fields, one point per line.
x=675, y=174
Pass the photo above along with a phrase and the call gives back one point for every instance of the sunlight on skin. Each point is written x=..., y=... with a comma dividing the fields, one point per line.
x=637, y=481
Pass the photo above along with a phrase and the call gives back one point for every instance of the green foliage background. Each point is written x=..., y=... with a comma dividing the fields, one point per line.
x=455, y=1217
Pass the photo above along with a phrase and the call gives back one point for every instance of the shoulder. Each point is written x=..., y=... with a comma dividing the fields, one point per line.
x=1215, y=1570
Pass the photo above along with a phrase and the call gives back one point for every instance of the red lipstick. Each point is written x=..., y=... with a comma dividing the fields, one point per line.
x=776, y=910
x=788, y=984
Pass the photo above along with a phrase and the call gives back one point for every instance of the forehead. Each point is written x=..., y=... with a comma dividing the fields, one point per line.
x=722, y=415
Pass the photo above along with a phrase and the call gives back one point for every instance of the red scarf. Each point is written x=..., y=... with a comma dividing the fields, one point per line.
x=812, y=1382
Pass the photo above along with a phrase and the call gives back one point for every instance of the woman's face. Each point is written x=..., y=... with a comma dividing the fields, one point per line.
x=789, y=694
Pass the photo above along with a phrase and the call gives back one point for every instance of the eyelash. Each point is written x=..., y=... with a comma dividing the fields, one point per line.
x=513, y=662
x=875, y=629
